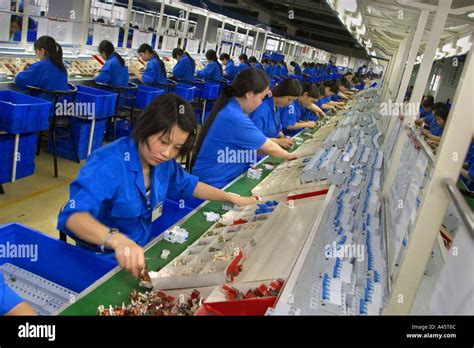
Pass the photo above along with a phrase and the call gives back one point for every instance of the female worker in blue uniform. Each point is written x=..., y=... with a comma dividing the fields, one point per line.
x=302, y=112
x=229, y=140
x=185, y=67
x=213, y=69
x=276, y=69
x=120, y=190
x=49, y=73
x=113, y=72
x=296, y=68
x=254, y=63
x=267, y=67
x=283, y=69
x=11, y=303
x=244, y=62
x=230, y=70
x=155, y=72
x=267, y=116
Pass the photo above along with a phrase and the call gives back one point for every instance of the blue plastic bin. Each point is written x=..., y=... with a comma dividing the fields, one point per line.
x=145, y=96
x=211, y=91
x=185, y=91
x=123, y=128
x=25, y=159
x=104, y=101
x=21, y=113
x=58, y=262
x=172, y=213
x=81, y=130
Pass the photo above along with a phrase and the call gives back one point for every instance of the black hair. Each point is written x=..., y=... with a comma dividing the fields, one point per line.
x=345, y=82
x=179, y=52
x=322, y=91
x=442, y=111
x=244, y=57
x=224, y=56
x=146, y=47
x=16, y=19
x=437, y=105
x=289, y=87
x=311, y=89
x=430, y=98
x=252, y=59
x=52, y=50
x=161, y=115
x=427, y=103
x=108, y=48
x=211, y=55
x=100, y=20
x=265, y=61
x=292, y=63
x=248, y=80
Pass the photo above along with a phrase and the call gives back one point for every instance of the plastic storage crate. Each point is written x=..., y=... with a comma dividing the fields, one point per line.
x=123, y=128
x=211, y=91
x=185, y=91
x=21, y=113
x=145, y=96
x=25, y=157
x=81, y=130
x=55, y=272
x=104, y=101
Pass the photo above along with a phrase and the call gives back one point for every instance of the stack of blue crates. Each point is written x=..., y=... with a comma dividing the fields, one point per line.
x=185, y=91
x=25, y=157
x=81, y=130
x=123, y=128
x=20, y=113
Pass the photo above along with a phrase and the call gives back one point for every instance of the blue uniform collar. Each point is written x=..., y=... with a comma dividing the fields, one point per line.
x=136, y=165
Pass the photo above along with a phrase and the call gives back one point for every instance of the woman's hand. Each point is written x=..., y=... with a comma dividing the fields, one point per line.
x=291, y=156
x=310, y=124
x=129, y=254
x=242, y=201
x=285, y=142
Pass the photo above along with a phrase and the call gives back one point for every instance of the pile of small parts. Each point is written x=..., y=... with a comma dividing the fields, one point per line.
x=155, y=303
x=263, y=290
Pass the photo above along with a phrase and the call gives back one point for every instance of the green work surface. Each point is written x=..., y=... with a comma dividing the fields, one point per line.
x=469, y=199
x=115, y=290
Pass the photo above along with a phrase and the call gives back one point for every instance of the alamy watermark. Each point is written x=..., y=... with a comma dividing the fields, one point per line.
x=335, y=250
x=67, y=108
x=20, y=251
x=399, y=109
x=236, y=156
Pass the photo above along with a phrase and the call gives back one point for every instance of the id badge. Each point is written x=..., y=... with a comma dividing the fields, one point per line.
x=157, y=211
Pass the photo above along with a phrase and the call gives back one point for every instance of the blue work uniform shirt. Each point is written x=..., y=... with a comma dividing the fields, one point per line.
x=43, y=74
x=323, y=101
x=211, y=71
x=230, y=70
x=259, y=66
x=268, y=70
x=277, y=70
x=184, y=69
x=283, y=71
x=153, y=73
x=231, y=132
x=113, y=73
x=267, y=119
x=297, y=70
x=111, y=188
x=9, y=299
x=243, y=66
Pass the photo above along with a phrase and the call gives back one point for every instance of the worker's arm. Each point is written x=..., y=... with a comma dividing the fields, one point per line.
x=129, y=255
x=273, y=149
x=210, y=193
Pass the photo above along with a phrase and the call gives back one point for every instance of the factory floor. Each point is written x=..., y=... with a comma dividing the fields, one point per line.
x=35, y=201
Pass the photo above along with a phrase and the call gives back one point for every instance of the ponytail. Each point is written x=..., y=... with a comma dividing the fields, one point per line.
x=211, y=55
x=52, y=50
x=108, y=48
x=248, y=80
x=146, y=47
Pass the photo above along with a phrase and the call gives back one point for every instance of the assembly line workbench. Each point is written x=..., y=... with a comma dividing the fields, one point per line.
x=114, y=287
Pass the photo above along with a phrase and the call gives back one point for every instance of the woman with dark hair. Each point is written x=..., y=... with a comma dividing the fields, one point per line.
x=267, y=67
x=229, y=140
x=283, y=69
x=302, y=112
x=296, y=68
x=325, y=101
x=114, y=72
x=49, y=73
x=244, y=62
x=155, y=72
x=230, y=70
x=267, y=116
x=120, y=190
x=213, y=69
x=254, y=63
x=276, y=68
x=185, y=67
